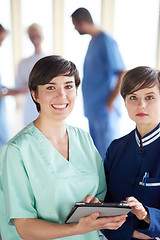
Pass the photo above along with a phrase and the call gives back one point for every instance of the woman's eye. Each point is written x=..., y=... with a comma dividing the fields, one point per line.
x=50, y=88
x=69, y=86
x=133, y=98
x=149, y=98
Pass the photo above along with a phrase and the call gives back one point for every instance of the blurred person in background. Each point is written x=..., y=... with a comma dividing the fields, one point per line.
x=103, y=67
x=36, y=37
x=4, y=91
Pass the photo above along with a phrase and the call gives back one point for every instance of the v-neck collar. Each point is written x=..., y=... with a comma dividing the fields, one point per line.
x=148, y=138
x=46, y=143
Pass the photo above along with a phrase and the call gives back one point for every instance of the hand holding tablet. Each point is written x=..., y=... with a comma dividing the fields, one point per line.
x=105, y=210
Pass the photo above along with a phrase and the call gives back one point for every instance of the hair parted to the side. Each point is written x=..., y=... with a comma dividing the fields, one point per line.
x=139, y=78
x=48, y=68
x=82, y=14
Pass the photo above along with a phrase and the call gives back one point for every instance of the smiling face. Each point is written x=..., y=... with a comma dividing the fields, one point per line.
x=57, y=98
x=143, y=107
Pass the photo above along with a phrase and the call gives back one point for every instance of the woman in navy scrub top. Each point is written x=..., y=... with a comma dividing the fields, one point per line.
x=132, y=162
x=49, y=165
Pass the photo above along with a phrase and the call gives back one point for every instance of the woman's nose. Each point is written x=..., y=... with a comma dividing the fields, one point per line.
x=141, y=103
x=61, y=92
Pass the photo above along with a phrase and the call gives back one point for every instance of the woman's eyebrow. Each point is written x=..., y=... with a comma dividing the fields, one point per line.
x=150, y=93
x=134, y=93
x=69, y=82
x=54, y=83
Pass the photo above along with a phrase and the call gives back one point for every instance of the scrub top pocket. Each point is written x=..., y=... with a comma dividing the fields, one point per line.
x=148, y=193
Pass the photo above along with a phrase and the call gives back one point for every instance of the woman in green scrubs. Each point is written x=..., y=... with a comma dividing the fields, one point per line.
x=49, y=165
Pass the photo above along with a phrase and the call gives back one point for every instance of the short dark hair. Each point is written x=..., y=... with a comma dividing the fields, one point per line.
x=82, y=14
x=48, y=68
x=2, y=29
x=139, y=78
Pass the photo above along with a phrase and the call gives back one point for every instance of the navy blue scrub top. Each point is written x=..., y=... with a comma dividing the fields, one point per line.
x=132, y=167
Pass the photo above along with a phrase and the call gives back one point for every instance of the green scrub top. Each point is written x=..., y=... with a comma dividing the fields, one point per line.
x=36, y=181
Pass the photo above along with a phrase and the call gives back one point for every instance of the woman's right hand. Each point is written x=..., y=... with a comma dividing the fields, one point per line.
x=92, y=223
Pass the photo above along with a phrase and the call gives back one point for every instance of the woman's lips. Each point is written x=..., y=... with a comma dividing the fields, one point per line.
x=141, y=114
x=59, y=106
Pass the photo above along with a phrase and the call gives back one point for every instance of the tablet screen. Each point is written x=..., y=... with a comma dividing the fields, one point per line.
x=105, y=210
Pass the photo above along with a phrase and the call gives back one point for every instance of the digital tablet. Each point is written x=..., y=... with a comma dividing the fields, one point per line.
x=105, y=210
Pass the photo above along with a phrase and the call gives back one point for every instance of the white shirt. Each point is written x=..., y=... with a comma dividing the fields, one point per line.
x=24, y=68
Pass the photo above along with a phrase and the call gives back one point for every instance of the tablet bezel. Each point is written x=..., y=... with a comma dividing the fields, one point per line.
x=81, y=209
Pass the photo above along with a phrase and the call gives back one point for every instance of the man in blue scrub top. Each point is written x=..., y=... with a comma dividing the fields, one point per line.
x=103, y=67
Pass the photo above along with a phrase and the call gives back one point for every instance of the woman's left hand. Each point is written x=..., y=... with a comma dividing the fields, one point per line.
x=91, y=199
x=138, y=209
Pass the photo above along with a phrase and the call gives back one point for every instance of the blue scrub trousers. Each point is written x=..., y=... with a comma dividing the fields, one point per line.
x=104, y=131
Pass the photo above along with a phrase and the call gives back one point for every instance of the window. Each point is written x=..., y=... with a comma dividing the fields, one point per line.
x=136, y=31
